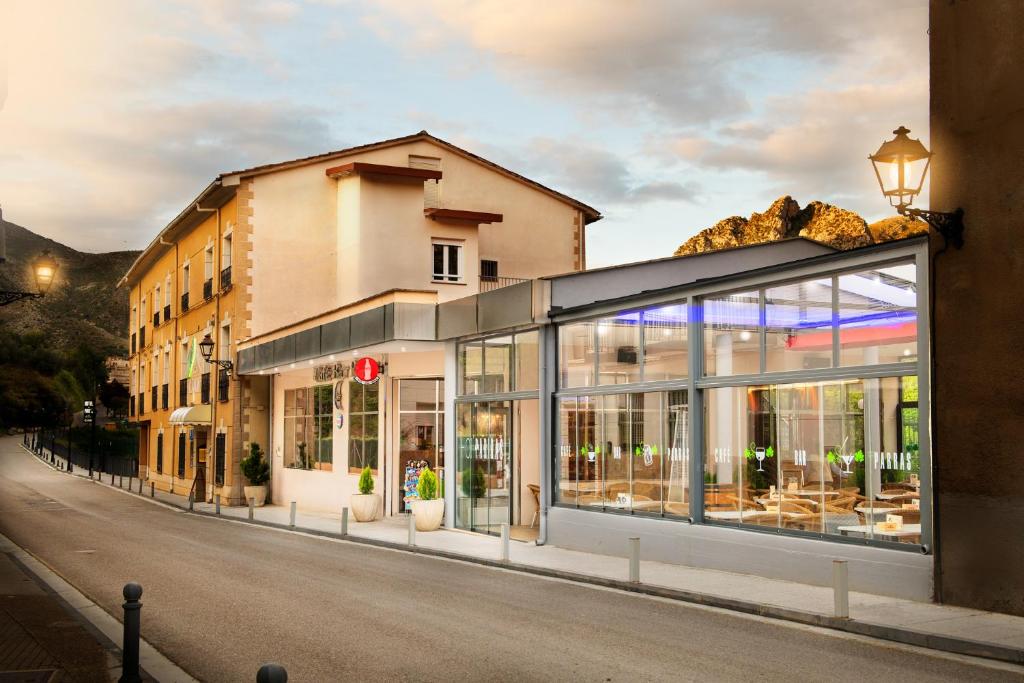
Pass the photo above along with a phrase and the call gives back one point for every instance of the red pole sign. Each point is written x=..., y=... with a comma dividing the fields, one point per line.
x=366, y=370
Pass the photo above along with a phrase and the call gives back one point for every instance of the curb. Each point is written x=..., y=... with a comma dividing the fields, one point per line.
x=905, y=636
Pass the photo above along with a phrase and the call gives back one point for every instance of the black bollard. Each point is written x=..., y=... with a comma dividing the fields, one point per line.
x=271, y=673
x=132, y=627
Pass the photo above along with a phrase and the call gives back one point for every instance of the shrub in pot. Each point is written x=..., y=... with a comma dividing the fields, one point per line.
x=257, y=470
x=428, y=509
x=366, y=503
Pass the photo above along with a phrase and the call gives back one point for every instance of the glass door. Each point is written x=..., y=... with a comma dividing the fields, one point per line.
x=483, y=492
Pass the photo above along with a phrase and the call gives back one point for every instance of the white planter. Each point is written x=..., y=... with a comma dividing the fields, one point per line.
x=257, y=493
x=429, y=514
x=365, y=506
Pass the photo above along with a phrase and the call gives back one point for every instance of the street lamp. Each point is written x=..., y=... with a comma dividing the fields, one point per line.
x=901, y=165
x=206, y=348
x=44, y=270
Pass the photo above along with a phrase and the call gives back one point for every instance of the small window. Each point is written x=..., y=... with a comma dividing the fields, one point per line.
x=488, y=270
x=447, y=261
x=208, y=275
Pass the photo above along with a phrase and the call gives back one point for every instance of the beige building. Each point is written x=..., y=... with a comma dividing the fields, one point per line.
x=368, y=239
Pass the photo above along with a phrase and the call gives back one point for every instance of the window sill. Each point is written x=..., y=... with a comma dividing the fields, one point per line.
x=448, y=282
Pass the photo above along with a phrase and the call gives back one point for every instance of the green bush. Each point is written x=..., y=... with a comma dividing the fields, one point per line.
x=427, y=486
x=474, y=484
x=255, y=468
x=366, y=481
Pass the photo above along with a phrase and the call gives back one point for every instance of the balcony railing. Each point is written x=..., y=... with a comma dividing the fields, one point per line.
x=142, y=337
x=223, y=379
x=225, y=278
x=208, y=289
x=154, y=403
x=184, y=302
x=488, y=282
x=167, y=312
x=182, y=392
x=165, y=397
x=204, y=388
x=156, y=319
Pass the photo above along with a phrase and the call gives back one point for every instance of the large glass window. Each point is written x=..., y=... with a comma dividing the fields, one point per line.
x=576, y=354
x=665, y=343
x=625, y=452
x=878, y=316
x=618, y=349
x=826, y=457
x=421, y=432
x=363, y=425
x=732, y=339
x=498, y=365
x=798, y=326
x=527, y=360
x=308, y=428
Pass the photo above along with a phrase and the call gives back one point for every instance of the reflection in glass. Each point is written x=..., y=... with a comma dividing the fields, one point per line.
x=471, y=367
x=798, y=326
x=878, y=316
x=665, y=343
x=576, y=354
x=527, y=360
x=497, y=365
x=618, y=344
x=568, y=451
x=732, y=334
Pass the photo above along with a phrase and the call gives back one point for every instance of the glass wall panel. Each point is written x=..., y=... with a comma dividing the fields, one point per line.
x=798, y=326
x=616, y=446
x=878, y=316
x=497, y=365
x=527, y=360
x=731, y=334
x=618, y=340
x=825, y=457
x=569, y=451
x=677, y=455
x=465, y=482
x=471, y=368
x=648, y=413
x=576, y=354
x=590, y=463
x=665, y=343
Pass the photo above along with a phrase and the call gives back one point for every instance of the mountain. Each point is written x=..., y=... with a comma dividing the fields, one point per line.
x=831, y=225
x=83, y=305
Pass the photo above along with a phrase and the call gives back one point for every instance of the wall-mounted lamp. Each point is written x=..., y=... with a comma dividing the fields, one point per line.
x=206, y=348
x=901, y=165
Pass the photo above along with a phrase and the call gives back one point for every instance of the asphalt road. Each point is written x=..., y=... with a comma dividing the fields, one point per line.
x=221, y=598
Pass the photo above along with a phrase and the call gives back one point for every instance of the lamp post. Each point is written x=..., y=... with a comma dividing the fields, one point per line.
x=901, y=165
x=206, y=349
x=44, y=269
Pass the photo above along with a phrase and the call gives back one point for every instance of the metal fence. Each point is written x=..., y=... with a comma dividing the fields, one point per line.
x=53, y=445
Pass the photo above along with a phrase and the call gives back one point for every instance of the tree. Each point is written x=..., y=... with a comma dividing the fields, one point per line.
x=114, y=396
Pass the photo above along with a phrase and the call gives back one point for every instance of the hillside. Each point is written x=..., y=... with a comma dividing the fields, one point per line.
x=831, y=225
x=83, y=304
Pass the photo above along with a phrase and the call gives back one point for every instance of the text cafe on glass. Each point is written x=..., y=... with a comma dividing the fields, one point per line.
x=762, y=409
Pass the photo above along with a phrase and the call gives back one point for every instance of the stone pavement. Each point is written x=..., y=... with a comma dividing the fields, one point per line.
x=39, y=638
x=942, y=627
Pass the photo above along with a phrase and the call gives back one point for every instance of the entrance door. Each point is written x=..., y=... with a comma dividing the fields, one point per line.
x=483, y=496
x=420, y=434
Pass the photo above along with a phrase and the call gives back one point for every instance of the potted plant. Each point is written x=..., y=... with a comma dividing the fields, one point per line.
x=366, y=503
x=428, y=508
x=257, y=470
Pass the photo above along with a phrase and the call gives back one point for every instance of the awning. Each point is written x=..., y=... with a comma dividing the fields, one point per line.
x=192, y=415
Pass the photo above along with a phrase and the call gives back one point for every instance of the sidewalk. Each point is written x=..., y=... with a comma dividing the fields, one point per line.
x=39, y=640
x=941, y=627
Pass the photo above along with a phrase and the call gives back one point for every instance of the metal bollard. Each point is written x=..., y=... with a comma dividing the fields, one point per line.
x=191, y=501
x=216, y=504
x=344, y=521
x=111, y=478
x=152, y=489
x=271, y=673
x=252, y=508
x=132, y=626
x=634, y=560
x=504, y=542
x=120, y=481
x=140, y=486
x=840, y=589
x=291, y=515
x=412, y=529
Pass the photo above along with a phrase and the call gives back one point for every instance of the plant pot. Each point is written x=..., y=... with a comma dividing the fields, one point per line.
x=365, y=506
x=257, y=493
x=429, y=514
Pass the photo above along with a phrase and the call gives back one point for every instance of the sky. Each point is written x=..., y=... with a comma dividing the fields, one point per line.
x=666, y=115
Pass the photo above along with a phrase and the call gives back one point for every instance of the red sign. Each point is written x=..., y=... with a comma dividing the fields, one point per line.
x=366, y=370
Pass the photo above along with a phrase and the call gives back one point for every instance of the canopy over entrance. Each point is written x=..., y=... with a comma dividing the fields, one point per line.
x=191, y=415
